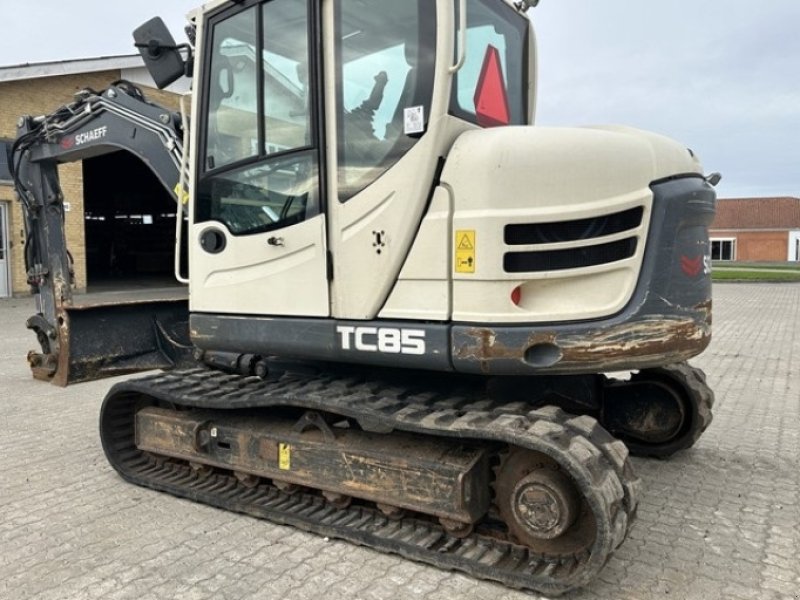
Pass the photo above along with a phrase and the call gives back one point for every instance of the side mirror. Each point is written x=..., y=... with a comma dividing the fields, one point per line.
x=161, y=55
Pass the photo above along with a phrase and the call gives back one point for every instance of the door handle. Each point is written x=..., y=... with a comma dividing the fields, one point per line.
x=275, y=241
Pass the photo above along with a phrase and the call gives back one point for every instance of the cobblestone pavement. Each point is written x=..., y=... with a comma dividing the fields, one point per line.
x=720, y=521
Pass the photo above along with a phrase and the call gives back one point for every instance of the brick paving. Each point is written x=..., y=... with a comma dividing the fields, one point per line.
x=720, y=521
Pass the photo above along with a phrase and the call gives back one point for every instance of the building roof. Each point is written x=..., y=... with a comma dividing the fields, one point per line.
x=757, y=213
x=69, y=67
x=130, y=66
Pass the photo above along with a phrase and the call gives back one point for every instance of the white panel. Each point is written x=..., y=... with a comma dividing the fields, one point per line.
x=251, y=276
x=582, y=295
x=418, y=299
x=430, y=255
x=530, y=175
x=423, y=291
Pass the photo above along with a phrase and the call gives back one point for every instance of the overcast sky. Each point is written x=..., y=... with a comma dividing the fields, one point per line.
x=722, y=76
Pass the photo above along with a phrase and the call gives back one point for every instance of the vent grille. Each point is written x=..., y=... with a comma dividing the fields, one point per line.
x=571, y=258
x=578, y=230
x=572, y=231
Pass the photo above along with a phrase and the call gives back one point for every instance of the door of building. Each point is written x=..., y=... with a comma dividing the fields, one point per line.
x=794, y=245
x=5, y=287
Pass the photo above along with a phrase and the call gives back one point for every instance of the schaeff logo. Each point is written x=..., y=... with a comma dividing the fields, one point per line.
x=84, y=137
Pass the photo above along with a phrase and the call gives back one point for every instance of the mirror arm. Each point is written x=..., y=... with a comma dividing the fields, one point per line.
x=154, y=48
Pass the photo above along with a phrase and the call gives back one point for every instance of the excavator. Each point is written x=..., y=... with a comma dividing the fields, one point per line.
x=415, y=320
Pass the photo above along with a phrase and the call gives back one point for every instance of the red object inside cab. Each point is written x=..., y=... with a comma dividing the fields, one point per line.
x=491, y=97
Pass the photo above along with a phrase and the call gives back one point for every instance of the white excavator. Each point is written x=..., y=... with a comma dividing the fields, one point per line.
x=407, y=305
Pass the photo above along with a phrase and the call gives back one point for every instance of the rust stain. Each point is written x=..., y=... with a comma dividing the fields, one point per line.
x=659, y=335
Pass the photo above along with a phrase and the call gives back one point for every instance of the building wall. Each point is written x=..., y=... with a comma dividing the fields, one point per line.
x=757, y=246
x=43, y=96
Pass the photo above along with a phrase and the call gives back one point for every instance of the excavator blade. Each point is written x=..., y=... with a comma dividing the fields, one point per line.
x=105, y=339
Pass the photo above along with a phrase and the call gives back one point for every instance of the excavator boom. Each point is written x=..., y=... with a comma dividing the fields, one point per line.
x=82, y=340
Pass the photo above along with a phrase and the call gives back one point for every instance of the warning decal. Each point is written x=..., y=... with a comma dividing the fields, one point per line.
x=284, y=457
x=465, y=251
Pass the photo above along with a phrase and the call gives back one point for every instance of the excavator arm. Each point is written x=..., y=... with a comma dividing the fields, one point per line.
x=83, y=340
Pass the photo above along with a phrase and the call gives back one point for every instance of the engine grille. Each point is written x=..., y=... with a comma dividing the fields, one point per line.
x=578, y=230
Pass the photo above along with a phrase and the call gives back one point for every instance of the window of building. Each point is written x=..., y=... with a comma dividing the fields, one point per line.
x=723, y=249
x=5, y=160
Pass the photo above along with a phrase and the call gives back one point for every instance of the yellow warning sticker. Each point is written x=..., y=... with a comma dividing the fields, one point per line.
x=465, y=251
x=284, y=457
x=181, y=194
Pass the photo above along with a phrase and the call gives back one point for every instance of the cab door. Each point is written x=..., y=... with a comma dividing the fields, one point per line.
x=258, y=233
x=386, y=132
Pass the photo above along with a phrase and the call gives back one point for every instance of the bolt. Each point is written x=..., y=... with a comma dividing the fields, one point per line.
x=286, y=487
x=336, y=499
x=248, y=480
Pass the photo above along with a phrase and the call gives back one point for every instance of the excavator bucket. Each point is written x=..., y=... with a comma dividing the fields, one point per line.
x=106, y=338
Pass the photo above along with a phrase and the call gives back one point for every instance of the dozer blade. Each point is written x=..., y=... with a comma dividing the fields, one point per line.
x=106, y=339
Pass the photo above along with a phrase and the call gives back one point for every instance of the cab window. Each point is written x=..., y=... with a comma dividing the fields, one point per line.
x=385, y=63
x=259, y=166
x=494, y=75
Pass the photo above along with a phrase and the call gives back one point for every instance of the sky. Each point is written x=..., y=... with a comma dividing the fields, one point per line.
x=721, y=76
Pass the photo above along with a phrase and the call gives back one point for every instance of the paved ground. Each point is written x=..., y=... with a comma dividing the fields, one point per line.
x=721, y=521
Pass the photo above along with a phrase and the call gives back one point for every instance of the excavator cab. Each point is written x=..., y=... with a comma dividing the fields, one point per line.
x=315, y=163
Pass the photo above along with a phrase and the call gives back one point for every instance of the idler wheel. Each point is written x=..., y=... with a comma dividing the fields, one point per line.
x=659, y=411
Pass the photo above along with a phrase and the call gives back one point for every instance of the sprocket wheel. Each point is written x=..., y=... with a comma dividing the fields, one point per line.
x=542, y=507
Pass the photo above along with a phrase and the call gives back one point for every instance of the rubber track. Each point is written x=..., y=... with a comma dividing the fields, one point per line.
x=597, y=462
x=701, y=400
x=701, y=397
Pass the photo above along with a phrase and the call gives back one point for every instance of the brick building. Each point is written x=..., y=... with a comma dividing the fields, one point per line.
x=756, y=230
x=91, y=187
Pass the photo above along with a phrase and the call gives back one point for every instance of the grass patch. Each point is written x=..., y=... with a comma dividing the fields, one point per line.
x=751, y=266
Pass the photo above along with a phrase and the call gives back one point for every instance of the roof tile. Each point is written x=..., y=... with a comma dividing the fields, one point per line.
x=757, y=213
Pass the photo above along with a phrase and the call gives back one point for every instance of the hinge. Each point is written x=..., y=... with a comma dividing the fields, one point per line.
x=329, y=264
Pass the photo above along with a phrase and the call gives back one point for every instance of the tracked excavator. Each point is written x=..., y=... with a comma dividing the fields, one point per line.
x=408, y=307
